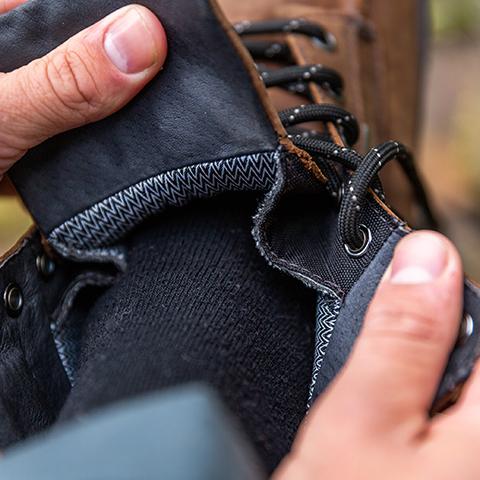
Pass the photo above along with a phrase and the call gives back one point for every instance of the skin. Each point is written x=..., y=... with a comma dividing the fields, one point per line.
x=373, y=421
x=91, y=76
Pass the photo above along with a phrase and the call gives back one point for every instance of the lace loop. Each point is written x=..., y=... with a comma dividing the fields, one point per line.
x=344, y=121
x=352, y=185
x=296, y=78
x=267, y=50
x=297, y=25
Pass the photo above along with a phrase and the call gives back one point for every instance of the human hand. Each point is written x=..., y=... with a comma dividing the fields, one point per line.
x=91, y=76
x=373, y=421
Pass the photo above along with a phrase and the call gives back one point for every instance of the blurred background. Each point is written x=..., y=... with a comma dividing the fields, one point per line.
x=450, y=151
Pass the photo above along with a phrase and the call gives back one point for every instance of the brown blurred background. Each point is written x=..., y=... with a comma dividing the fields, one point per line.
x=450, y=154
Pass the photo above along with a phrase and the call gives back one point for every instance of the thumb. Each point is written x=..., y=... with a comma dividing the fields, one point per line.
x=7, y=5
x=89, y=77
x=409, y=330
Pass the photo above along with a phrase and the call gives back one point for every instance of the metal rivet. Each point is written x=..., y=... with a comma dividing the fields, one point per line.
x=466, y=329
x=45, y=265
x=367, y=239
x=13, y=300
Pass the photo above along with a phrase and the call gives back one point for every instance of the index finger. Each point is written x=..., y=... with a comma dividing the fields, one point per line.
x=7, y=5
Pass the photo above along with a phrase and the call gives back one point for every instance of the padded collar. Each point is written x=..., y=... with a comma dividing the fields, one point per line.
x=202, y=108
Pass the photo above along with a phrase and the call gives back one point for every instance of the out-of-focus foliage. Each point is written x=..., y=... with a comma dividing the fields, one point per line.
x=455, y=17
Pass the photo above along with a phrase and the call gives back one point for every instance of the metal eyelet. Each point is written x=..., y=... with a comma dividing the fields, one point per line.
x=45, y=265
x=367, y=239
x=466, y=329
x=338, y=194
x=341, y=193
x=329, y=44
x=13, y=300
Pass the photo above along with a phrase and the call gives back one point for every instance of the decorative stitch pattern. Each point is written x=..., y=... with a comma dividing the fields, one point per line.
x=328, y=309
x=109, y=219
x=68, y=350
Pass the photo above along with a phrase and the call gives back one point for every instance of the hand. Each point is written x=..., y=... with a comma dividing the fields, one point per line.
x=89, y=77
x=373, y=421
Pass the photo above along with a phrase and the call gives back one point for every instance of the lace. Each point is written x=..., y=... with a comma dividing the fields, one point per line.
x=351, y=176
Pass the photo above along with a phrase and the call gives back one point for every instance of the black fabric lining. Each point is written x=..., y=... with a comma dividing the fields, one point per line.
x=196, y=109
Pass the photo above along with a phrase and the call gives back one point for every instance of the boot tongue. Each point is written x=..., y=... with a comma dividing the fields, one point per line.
x=201, y=109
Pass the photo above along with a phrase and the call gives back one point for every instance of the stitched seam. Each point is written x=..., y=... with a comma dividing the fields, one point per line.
x=308, y=278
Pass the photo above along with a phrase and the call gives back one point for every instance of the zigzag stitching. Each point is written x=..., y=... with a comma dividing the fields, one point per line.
x=109, y=219
x=327, y=313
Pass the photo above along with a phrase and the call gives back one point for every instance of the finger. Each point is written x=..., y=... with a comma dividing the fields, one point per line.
x=91, y=76
x=7, y=5
x=409, y=330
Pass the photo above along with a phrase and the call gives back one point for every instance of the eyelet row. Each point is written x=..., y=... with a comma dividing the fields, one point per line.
x=13, y=298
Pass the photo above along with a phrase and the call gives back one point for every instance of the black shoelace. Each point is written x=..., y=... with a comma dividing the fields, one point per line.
x=333, y=159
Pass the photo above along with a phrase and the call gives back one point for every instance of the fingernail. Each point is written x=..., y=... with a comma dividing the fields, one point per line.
x=129, y=42
x=419, y=258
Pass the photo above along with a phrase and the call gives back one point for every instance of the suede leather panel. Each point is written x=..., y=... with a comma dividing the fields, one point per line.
x=201, y=108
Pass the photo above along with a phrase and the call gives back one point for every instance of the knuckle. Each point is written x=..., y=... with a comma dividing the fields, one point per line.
x=414, y=321
x=72, y=83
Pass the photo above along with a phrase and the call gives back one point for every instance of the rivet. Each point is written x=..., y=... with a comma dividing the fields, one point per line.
x=45, y=265
x=367, y=239
x=466, y=329
x=13, y=300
